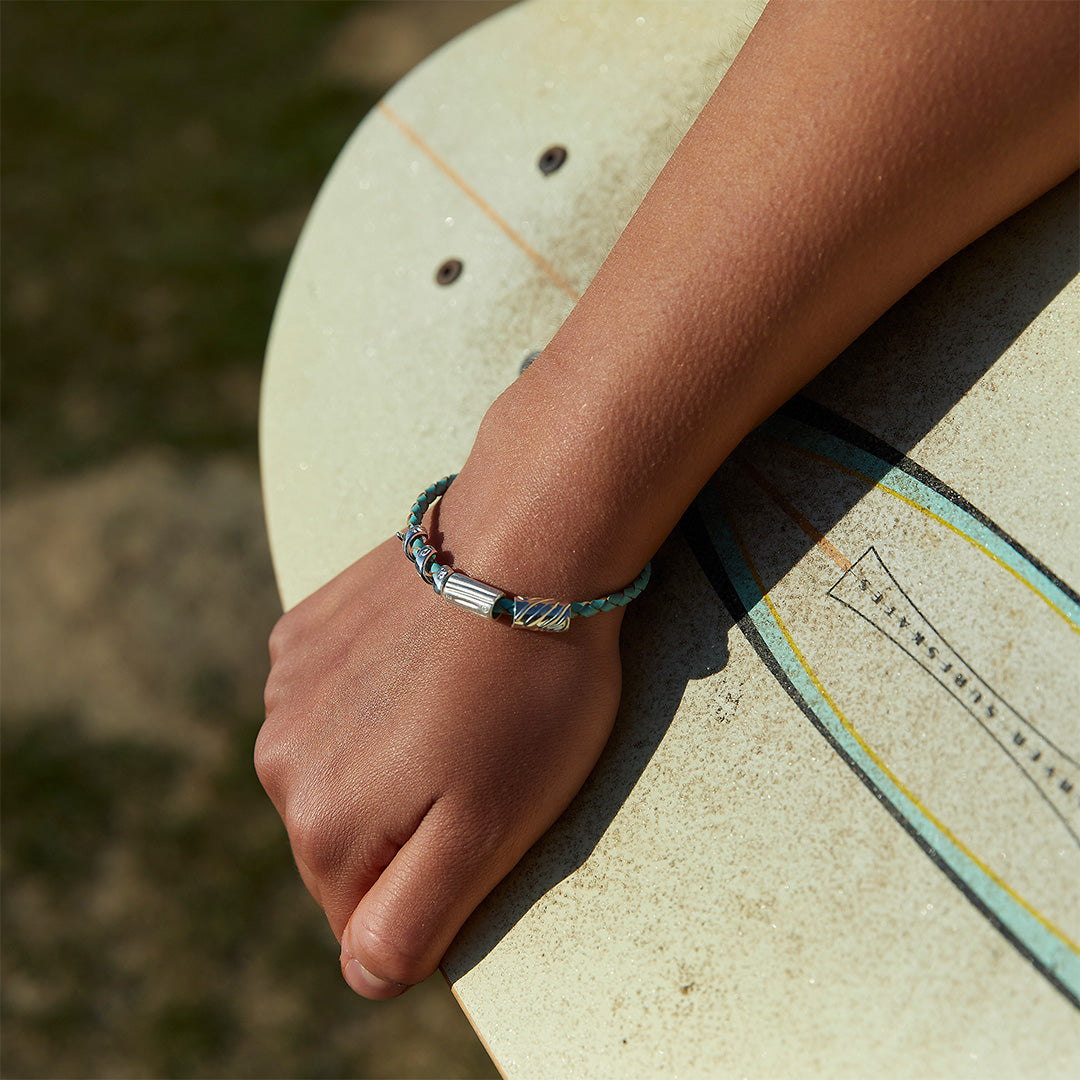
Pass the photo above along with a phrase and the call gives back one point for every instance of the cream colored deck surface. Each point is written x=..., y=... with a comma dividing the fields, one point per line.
x=728, y=897
x=376, y=379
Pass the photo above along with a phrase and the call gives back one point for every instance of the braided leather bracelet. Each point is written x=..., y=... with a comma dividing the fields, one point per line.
x=485, y=600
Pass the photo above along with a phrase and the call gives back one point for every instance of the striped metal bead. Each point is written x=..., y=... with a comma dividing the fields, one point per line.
x=548, y=615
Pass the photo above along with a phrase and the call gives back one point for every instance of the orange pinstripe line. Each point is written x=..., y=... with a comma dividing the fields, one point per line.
x=819, y=539
x=880, y=762
x=553, y=275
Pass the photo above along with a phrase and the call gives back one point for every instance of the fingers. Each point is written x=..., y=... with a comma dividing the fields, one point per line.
x=342, y=849
x=404, y=924
x=341, y=842
x=408, y=786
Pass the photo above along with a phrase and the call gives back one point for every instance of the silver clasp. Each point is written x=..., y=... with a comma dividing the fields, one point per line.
x=472, y=595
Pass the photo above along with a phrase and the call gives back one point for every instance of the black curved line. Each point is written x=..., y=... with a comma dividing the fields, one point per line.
x=697, y=536
x=952, y=697
x=812, y=414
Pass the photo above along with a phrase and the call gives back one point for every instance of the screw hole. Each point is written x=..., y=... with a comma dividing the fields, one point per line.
x=527, y=361
x=449, y=272
x=552, y=159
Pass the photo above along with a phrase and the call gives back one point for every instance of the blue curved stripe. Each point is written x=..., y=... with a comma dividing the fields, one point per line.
x=937, y=498
x=1049, y=953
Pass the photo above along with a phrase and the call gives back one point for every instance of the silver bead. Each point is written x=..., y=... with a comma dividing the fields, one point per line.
x=424, y=557
x=471, y=595
x=410, y=533
x=439, y=578
x=549, y=615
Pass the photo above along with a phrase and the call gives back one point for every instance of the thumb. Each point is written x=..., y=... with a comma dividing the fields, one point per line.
x=403, y=926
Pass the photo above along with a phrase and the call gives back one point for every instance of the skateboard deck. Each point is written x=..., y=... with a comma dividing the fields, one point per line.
x=837, y=828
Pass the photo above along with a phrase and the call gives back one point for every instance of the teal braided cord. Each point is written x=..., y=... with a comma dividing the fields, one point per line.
x=618, y=599
x=505, y=605
x=418, y=543
x=427, y=497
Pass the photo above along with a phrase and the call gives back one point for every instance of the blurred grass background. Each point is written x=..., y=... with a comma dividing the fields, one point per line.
x=158, y=161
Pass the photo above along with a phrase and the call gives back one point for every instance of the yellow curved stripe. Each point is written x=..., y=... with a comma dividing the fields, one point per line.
x=948, y=525
x=877, y=760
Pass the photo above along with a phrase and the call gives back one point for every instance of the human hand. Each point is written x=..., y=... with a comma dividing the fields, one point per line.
x=415, y=752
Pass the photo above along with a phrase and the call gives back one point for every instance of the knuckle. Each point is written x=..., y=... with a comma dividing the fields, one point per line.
x=279, y=636
x=272, y=694
x=270, y=763
x=316, y=835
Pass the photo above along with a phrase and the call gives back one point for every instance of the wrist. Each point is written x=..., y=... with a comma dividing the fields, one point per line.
x=506, y=568
x=518, y=517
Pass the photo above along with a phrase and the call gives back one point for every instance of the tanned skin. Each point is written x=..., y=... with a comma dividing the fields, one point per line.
x=416, y=752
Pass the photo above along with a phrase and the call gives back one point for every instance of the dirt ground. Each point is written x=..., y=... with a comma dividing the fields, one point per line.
x=158, y=161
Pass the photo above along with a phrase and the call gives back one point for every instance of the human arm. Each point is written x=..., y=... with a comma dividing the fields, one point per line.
x=416, y=752
x=849, y=150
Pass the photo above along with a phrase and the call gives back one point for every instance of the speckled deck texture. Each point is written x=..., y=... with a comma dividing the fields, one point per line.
x=836, y=830
x=731, y=895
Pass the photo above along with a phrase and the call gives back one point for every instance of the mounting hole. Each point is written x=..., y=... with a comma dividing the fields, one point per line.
x=449, y=272
x=553, y=158
x=528, y=360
